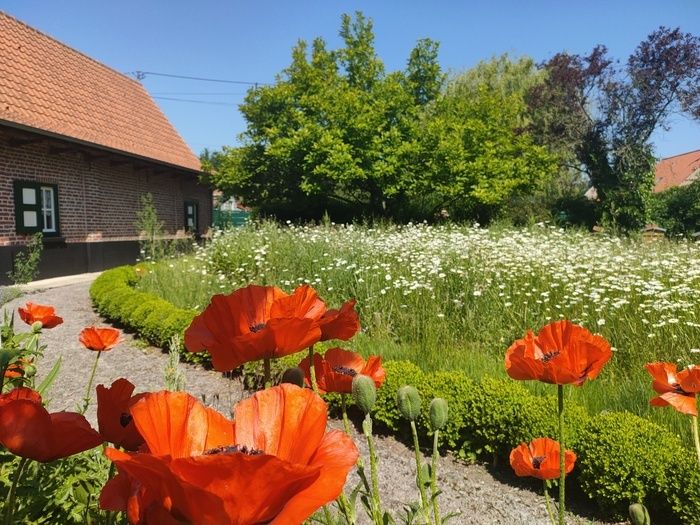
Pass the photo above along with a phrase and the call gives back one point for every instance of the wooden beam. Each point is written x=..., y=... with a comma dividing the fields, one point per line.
x=60, y=151
x=91, y=157
x=141, y=167
x=18, y=143
x=119, y=162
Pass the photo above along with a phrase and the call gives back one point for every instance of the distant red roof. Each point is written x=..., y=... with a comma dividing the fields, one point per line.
x=677, y=170
x=48, y=86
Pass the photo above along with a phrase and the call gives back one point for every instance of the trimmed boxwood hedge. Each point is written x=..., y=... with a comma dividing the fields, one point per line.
x=622, y=458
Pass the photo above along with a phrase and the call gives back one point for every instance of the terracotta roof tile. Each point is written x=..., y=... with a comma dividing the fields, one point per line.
x=49, y=86
x=677, y=170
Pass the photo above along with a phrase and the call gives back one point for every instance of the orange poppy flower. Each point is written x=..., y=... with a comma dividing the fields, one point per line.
x=46, y=315
x=28, y=430
x=100, y=339
x=16, y=369
x=256, y=322
x=337, y=368
x=677, y=389
x=113, y=418
x=276, y=465
x=540, y=459
x=562, y=353
x=340, y=324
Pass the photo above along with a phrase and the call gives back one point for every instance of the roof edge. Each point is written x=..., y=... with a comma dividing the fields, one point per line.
x=680, y=154
x=74, y=140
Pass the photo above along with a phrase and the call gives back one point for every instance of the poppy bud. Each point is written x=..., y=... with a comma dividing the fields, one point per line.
x=294, y=376
x=639, y=515
x=364, y=392
x=37, y=326
x=438, y=413
x=29, y=370
x=408, y=400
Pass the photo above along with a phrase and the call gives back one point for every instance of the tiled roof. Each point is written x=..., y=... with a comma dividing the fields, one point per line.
x=677, y=170
x=48, y=86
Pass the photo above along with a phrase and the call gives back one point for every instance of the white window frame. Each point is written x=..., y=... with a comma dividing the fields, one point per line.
x=51, y=211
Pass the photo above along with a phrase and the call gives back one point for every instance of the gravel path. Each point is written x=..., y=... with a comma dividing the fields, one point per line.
x=472, y=490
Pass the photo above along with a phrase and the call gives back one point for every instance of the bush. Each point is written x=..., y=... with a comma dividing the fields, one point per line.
x=623, y=458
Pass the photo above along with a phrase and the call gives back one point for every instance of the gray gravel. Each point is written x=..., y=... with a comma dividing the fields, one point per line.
x=471, y=490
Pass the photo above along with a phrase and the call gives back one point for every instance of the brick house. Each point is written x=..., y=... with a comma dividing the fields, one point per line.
x=80, y=144
x=678, y=170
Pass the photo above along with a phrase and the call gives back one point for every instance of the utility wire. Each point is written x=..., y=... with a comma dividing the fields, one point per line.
x=140, y=75
x=214, y=93
x=208, y=102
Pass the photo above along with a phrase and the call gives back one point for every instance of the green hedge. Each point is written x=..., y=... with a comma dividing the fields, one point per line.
x=622, y=458
x=153, y=318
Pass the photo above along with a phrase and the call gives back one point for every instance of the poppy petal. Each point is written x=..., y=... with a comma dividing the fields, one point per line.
x=340, y=324
x=683, y=403
x=25, y=429
x=176, y=424
x=302, y=303
x=115, y=423
x=292, y=335
x=286, y=421
x=71, y=433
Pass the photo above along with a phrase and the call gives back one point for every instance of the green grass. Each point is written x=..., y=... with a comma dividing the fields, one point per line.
x=455, y=297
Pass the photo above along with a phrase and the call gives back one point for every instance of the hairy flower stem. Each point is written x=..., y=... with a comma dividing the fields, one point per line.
x=374, y=471
x=348, y=431
x=433, y=479
x=419, y=470
x=696, y=439
x=547, y=504
x=562, y=452
x=266, y=372
x=312, y=370
x=86, y=399
x=12, y=496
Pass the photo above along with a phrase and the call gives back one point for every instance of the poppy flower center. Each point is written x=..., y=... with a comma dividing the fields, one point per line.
x=345, y=371
x=125, y=419
x=548, y=356
x=537, y=461
x=255, y=328
x=234, y=449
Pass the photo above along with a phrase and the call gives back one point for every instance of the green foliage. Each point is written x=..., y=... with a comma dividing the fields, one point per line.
x=623, y=458
x=150, y=228
x=155, y=319
x=64, y=491
x=26, y=262
x=678, y=209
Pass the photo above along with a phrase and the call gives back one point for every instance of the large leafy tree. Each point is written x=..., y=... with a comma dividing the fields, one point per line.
x=601, y=116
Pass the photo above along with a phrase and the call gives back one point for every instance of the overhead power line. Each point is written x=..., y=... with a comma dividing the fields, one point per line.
x=208, y=102
x=140, y=75
x=213, y=93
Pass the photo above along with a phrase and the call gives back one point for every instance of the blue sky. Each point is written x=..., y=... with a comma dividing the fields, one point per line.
x=251, y=41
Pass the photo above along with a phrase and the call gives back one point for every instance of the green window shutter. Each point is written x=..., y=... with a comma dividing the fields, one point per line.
x=28, y=217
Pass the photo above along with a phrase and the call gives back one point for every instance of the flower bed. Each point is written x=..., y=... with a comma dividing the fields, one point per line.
x=622, y=458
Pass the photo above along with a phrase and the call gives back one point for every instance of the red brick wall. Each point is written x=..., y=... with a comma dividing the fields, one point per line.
x=97, y=200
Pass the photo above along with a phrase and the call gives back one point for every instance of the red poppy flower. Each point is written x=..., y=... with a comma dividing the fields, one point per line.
x=340, y=324
x=16, y=369
x=276, y=465
x=28, y=430
x=46, y=315
x=337, y=368
x=100, y=339
x=115, y=423
x=540, y=459
x=562, y=353
x=256, y=322
x=677, y=389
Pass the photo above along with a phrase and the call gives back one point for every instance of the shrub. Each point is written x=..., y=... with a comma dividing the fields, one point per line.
x=623, y=458
x=26, y=262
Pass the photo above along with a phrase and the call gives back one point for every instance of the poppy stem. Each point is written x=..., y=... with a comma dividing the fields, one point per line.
x=12, y=496
x=86, y=399
x=346, y=419
x=433, y=479
x=376, y=501
x=548, y=504
x=419, y=469
x=562, y=452
x=267, y=372
x=696, y=439
x=312, y=370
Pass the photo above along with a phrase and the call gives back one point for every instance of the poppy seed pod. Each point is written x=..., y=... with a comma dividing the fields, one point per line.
x=438, y=413
x=37, y=326
x=639, y=515
x=408, y=400
x=364, y=392
x=294, y=376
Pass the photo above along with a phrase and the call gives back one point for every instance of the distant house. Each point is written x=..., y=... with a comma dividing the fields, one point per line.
x=80, y=143
x=678, y=170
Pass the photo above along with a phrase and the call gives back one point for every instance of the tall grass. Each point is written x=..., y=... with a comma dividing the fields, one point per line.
x=455, y=297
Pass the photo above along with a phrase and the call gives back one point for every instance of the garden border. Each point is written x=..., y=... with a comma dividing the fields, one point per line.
x=622, y=458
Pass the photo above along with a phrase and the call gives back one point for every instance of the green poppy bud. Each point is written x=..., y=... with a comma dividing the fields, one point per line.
x=408, y=400
x=294, y=376
x=438, y=413
x=37, y=326
x=364, y=392
x=639, y=515
x=29, y=370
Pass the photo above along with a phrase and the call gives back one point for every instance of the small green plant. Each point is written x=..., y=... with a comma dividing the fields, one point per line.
x=150, y=227
x=26, y=262
x=174, y=378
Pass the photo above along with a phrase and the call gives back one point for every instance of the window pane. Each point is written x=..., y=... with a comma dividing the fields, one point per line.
x=190, y=211
x=28, y=196
x=48, y=222
x=30, y=219
x=48, y=198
